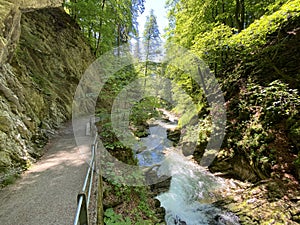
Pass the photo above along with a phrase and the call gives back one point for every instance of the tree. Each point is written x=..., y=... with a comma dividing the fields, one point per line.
x=152, y=39
x=240, y=14
x=206, y=25
x=189, y=18
x=106, y=24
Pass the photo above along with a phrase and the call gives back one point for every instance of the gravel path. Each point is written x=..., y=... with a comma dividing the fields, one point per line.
x=47, y=192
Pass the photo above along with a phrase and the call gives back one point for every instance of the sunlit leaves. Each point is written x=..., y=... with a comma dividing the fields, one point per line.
x=210, y=28
x=106, y=24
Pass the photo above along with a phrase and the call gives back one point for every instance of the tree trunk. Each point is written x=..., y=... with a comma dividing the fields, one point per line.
x=74, y=9
x=100, y=27
x=223, y=11
x=147, y=59
x=119, y=39
x=240, y=14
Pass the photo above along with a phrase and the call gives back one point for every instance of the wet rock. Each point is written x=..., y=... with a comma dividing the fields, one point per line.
x=159, y=184
x=179, y=222
x=160, y=212
x=236, y=167
x=188, y=148
x=174, y=135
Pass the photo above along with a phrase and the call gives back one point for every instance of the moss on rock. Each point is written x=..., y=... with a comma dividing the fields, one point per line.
x=38, y=82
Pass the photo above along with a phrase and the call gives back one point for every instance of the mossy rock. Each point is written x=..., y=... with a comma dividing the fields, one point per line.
x=174, y=135
x=37, y=84
x=5, y=161
x=5, y=121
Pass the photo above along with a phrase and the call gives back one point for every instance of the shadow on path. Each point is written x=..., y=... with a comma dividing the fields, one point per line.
x=47, y=192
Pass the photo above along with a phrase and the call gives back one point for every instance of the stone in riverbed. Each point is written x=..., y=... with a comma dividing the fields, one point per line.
x=174, y=135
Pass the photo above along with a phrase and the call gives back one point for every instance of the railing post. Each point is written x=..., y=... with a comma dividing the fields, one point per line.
x=83, y=198
x=83, y=216
x=100, y=213
x=92, y=126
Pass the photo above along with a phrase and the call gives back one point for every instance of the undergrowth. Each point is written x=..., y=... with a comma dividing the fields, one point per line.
x=124, y=204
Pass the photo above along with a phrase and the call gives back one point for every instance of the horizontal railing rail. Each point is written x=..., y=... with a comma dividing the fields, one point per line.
x=83, y=198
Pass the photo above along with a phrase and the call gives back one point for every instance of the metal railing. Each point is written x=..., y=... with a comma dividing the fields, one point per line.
x=83, y=198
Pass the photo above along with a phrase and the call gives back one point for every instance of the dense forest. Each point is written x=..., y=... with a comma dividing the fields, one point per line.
x=246, y=54
x=252, y=47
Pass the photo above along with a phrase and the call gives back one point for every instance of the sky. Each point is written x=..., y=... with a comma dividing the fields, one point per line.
x=159, y=10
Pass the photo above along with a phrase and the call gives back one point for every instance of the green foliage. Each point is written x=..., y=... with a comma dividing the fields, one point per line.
x=151, y=31
x=116, y=178
x=259, y=104
x=254, y=142
x=111, y=218
x=198, y=133
x=257, y=116
x=146, y=108
x=135, y=200
x=212, y=44
x=190, y=18
x=207, y=29
x=110, y=90
x=252, y=38
x=143, y=111
x=294, y=131
x=275, y=102
x=297, y=161
x=106, y=24
x=136, y=204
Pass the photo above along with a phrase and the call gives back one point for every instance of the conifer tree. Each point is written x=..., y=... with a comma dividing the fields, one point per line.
x=152, y=40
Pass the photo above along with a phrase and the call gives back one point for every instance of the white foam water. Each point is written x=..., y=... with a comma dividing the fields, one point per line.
x=193, y=190
x=191, y=194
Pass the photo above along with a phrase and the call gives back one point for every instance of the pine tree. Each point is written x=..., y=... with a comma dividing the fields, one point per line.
x=152, y=40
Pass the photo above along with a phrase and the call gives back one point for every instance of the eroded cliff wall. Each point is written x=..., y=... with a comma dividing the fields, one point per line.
x=42, y=57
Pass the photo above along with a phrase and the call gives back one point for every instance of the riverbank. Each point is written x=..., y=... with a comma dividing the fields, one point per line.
x=262, y=203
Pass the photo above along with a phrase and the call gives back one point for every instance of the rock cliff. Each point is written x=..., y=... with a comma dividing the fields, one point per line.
x=42, y=57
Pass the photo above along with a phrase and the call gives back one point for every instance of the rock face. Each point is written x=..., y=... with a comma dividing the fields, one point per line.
x=9, y=30
x=42, y=57
x=265, y=202
x=10, y=16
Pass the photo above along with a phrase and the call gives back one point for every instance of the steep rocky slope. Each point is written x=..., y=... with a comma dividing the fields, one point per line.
x=262, y=93
x=261, y=88
x=42, y=58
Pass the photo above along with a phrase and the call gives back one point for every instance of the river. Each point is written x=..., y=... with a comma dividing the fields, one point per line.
x=193, y=190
